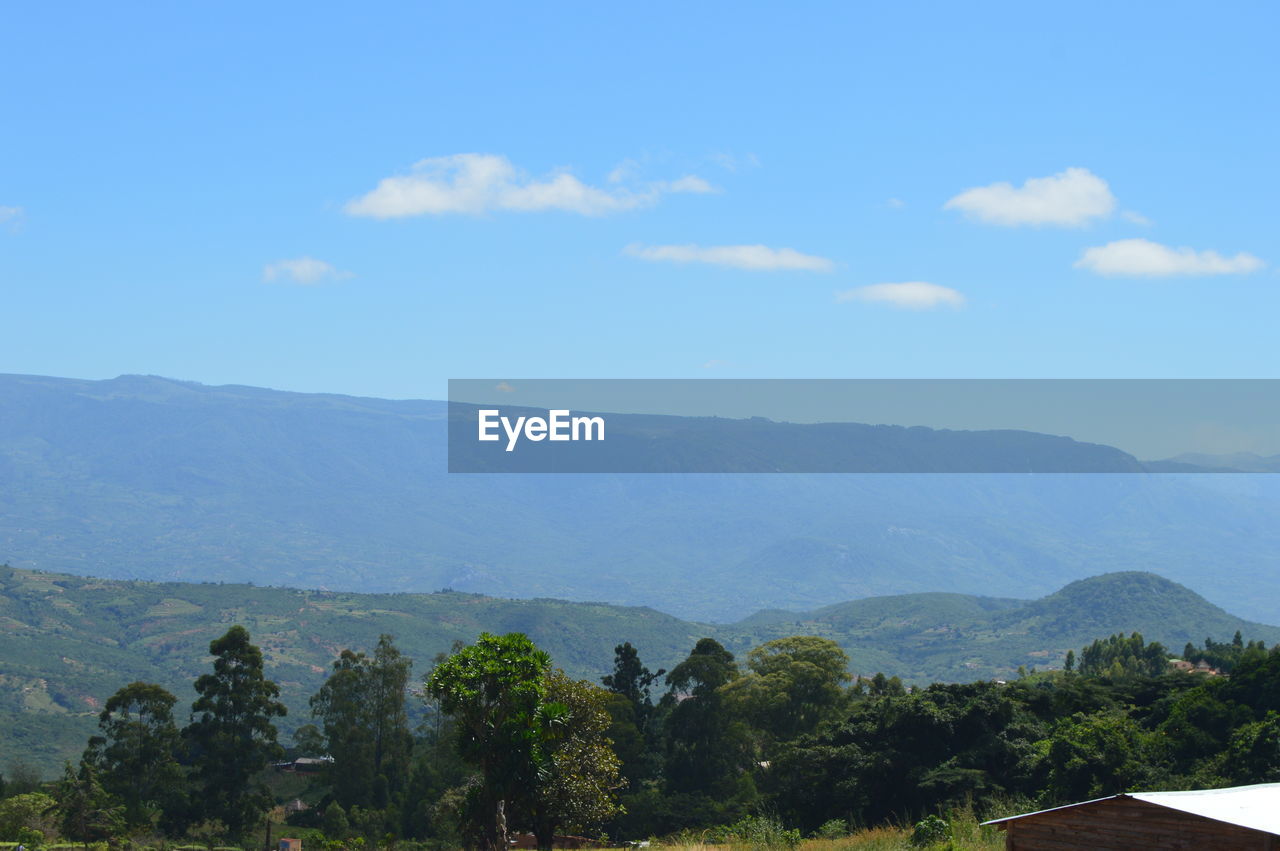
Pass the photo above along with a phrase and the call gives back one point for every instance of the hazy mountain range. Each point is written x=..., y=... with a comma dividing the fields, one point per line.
x=145, y=477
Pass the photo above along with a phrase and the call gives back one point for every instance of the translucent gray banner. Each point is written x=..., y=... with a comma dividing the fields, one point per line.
x=864, y=425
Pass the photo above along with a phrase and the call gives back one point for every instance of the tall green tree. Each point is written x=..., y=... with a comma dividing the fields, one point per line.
x=362, y=709
x=630, y=705
x=794, y=683
x=438, y=773
x=136, y=755
x=232, y=736
x=86, y=812
x=495, y=691
x=392, y=742
x=576, y=786
x=341, y=707
x=632, y=680
x=709, y=749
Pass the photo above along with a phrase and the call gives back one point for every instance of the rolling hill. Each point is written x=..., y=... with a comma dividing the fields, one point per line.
x=69, y=642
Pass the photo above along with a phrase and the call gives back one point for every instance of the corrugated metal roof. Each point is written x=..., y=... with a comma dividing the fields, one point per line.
x=1255, y=807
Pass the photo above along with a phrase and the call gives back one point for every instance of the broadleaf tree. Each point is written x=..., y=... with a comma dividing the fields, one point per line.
x=581, y=773
x=495, y=691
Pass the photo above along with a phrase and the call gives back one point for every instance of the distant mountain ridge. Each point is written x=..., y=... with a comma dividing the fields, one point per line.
x=146, y=477
x=646, y=443
x=71, y=641
x=1235, y=462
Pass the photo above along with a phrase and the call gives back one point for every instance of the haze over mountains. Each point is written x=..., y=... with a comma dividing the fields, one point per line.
x=152, y=478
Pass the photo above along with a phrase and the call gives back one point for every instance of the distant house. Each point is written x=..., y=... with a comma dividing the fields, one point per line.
x=295, y=806
x=1243, y=817
x=528, y=840
x=289, y=845
x=305, y=764
x=1203, y=667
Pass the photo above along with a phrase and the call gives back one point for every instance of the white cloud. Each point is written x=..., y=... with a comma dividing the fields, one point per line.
x=1136, y=217
x=1069, y=198
x=474, y=184
x=628, y=169
x=301, y=270
x=737, y=256
x=896, y=203
x=11, y=216
x=690, y=184
x=910, y=295
x=735, y=162
x=1146, y=259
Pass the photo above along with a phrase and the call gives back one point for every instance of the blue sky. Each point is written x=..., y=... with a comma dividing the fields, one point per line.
x=319, y=198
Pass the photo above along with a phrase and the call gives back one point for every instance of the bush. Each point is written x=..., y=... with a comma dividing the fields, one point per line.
x=834, y=829
x=30, y=810
x=31, y=838
x=929, y=830
x=759, y=832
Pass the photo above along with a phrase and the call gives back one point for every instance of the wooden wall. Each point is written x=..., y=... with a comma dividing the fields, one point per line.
x=1125, y=823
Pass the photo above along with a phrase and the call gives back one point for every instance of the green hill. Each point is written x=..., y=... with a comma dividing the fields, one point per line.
x=69, y=642
x=926, y=637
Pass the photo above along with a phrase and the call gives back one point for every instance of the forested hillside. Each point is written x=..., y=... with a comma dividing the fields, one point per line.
x=70, y=641
x=755, y=749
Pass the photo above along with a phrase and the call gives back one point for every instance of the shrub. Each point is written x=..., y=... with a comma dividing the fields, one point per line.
x=929, y=830
x=30, y=838
x=759, y=832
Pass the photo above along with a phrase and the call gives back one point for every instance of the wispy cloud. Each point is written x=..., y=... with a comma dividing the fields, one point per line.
x=689, y=184
x=301, y=270
x=11, y=217
x=1142, y=258
x=1070, y=198
x=1136, y=217
x=730, y=161
x=756, y=257
x=909, y=295
x=474, y=184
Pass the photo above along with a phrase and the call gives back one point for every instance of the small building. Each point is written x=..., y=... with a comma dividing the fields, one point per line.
x=1242, y=817
x=290, y=845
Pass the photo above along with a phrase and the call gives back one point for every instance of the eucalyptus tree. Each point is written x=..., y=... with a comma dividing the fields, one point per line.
x=136, y=754
x=231, y=737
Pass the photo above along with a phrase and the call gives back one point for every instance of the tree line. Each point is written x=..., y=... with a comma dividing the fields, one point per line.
x=509, y=744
